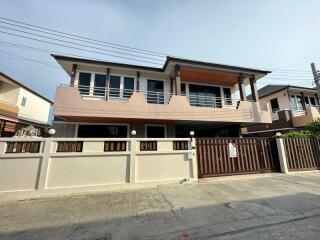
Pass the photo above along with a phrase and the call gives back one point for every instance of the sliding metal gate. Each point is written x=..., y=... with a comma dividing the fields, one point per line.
x=252, y=155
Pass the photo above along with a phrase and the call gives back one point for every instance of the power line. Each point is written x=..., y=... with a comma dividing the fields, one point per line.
x=79, y=44
x=77, y=48
x=9, y=21
x=30, y=59
x=124, y=47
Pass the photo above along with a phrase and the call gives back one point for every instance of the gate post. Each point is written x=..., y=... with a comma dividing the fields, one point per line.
x=194, y=159
x=46, y=150
x=282, y=156
x=132, y=171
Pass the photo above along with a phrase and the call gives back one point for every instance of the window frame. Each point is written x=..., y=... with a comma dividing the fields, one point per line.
x=274, y=110
x=23, y=101
x=164, y=92
x=92, y=82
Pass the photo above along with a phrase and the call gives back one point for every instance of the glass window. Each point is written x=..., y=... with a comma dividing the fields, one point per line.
x=293, y=102
x=183, y=89
x=24, y=101
x=227, y=96
x=128, y=86
x=204, y=96
x=155, y=92
x=114, y=86
x=306, y=100
x=155, y=131
x=299, y=101
x=102, y=131
x=313, y=101
x=99, y=84
x=84, y=83
x=274, y=104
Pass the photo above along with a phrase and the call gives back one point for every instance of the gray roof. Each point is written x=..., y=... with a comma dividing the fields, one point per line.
x=271, y=89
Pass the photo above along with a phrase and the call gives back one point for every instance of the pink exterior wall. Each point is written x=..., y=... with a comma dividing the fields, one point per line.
x=69, y=103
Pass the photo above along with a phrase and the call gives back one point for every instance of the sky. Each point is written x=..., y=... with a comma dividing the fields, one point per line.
x=278, y=35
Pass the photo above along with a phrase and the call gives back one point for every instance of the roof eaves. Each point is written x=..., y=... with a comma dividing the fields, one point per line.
x=25, y=87
x=99, y=62
x=209, y=64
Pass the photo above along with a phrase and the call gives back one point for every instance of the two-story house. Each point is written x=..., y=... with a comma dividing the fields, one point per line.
x=20, y=106
x=108, y=99
x=292, y=108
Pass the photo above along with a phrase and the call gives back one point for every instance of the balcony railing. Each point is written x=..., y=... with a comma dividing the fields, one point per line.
x=121, y=94
x=303, y=111
x=157, y=97
x=211, y=101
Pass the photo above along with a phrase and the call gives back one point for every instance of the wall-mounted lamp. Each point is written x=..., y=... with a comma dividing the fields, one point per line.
x=133, y=132
x=191, y=134
x=52, y=131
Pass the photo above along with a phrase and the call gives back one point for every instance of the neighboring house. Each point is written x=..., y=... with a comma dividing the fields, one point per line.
x=107, y=99
x=292, y=107
x=20, y=106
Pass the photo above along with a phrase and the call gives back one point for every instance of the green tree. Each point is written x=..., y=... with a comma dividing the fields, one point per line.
x=314, y=127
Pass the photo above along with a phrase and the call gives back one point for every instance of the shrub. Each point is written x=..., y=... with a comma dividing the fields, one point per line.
x=310, y=130
x=314, y=127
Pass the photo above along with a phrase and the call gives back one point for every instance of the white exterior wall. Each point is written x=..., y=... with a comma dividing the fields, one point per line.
x=51, y=171
x=283, y=100
x=36, y=108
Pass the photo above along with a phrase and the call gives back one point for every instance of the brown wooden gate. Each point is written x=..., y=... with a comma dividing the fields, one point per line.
x=302, y=153
x=254, y=155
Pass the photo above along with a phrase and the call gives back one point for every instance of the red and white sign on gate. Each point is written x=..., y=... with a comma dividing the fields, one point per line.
x=232, y=150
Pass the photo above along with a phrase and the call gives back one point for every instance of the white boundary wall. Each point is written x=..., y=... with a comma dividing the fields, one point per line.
x=52, y=170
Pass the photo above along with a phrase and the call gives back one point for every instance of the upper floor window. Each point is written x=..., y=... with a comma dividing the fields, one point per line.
x=310, y=101
x=128, y=86
x=99, y=84
x=114, y=86
x=23, y=101
x=313, y=101
x=274, y=104
x=227, y=96
x=84, y=83
x=155, y=91
x=296, y=102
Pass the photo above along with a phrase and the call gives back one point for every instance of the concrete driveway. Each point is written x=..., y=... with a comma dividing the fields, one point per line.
x=264, y=207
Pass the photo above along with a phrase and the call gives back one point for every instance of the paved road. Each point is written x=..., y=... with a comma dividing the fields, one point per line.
x=276, y=207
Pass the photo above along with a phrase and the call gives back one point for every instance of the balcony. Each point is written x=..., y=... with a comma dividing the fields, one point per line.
x=84, y=103
x=301, y=117
x=8, y=109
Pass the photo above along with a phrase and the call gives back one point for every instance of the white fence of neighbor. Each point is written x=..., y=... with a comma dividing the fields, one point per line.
x=41, y=164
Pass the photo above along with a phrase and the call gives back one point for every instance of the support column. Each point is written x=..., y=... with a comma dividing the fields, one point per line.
x=138, y=81
x=178, y=80
x=317, y=99
x=107, y=83
x=133, y=149
x=254, y=90
x=73, y=74
x=303, y=102
x=171, y=86
x=41, y=184
x=194, y=159
x=282, y=155
x=242, y=90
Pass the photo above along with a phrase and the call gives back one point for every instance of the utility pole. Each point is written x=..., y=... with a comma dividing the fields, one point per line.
x=316, y=76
